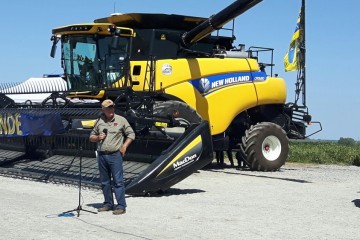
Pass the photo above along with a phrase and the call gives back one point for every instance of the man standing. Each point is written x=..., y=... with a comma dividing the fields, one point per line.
x=113, y=134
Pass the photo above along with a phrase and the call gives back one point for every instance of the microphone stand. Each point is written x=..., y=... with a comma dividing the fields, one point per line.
x=79, y=207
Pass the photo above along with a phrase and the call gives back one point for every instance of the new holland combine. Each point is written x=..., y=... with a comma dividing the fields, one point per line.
x=186, y=92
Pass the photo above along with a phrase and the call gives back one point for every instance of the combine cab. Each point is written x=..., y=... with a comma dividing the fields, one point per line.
x=185, y=92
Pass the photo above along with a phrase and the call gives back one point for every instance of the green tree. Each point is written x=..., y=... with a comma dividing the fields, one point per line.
x=347, y=141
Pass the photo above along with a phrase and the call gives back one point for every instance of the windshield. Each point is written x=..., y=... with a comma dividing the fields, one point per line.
x=93, y=62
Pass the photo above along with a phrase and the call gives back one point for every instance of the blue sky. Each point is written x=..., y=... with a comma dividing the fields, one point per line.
x=331, y=30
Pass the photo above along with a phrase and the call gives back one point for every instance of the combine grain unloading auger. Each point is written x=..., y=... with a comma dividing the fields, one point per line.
x=184, y=91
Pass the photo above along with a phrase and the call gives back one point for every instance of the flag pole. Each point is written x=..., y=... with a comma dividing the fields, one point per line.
x=301, y=76
x=303, y=50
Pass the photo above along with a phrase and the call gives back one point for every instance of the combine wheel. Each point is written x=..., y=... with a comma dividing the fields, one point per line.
x=185, y=114
x=266, y=146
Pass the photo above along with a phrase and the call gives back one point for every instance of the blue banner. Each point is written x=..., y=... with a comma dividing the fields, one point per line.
x=25, y=124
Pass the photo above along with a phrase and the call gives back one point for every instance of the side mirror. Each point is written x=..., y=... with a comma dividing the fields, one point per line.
x=55, y=40
x=53, y=50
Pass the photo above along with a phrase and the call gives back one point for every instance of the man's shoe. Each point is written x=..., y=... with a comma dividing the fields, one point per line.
x=104, y=209
x=119, y=211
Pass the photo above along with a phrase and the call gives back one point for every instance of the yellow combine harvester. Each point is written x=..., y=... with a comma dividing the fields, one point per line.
x=185, y=91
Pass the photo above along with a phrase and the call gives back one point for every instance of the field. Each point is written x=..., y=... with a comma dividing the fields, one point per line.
x=322, y=152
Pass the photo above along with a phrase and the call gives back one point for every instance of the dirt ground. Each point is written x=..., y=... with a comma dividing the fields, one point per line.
x=297, y=202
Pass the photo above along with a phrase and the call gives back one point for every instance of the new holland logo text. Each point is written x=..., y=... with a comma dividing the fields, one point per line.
x=230, y=80
x=187, y=160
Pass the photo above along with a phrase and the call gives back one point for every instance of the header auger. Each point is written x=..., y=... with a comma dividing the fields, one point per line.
x=185, y=91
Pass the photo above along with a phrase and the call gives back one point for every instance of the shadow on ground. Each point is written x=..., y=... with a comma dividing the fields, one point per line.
x=245, y=171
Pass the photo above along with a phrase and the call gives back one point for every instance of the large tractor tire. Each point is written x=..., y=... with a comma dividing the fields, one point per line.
x=266, y=146
x=186, y=114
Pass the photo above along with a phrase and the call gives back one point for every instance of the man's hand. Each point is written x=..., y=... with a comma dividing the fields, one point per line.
x=97, y=138
x=123, y=150
x=125, y=146
x=101, y=136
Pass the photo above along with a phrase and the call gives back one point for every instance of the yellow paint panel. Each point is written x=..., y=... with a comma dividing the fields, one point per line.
x=188, y=69
x=226, y=103
x=183, y=70
x=88, y=123
x=271, y=91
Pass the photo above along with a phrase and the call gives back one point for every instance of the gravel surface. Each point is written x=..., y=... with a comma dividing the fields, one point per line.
x=297, y=202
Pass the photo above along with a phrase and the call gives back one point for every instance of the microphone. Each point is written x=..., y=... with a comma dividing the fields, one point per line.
x=105, y=131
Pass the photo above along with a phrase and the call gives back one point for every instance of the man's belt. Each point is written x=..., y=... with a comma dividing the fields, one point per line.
x=107, y=152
